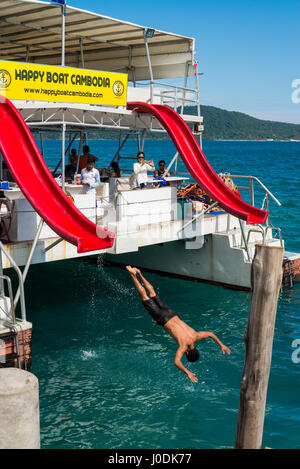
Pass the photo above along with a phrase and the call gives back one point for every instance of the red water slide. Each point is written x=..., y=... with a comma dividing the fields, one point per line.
x=39, y=187
x=197, y=164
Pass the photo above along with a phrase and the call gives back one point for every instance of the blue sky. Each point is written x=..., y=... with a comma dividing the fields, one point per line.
x=248, y=50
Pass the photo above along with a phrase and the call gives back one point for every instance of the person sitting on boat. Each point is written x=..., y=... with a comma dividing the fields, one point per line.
x=71, y=167
x=164, y=316
x=140, y=169
x=85, y=156
x=229, y=183
x=90, y=177
x=160, y=172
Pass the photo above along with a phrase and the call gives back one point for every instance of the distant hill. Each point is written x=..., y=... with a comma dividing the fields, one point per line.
x=220, y=124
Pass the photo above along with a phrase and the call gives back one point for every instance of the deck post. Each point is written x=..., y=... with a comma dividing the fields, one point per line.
x=143, y=138
x=149, y=66
x=63, y=35
x=79, y=152
x=266, y=276
x=81, y=52
x=171, y=164
x=197, y=87
x=63, y=153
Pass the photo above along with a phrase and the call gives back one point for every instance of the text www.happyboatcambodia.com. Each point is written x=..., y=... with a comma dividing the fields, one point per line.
x=47, y=92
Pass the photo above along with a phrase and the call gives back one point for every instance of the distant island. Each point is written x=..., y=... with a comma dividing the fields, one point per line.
x=220, y=124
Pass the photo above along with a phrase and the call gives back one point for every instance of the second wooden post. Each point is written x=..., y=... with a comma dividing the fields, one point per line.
x=266, y=280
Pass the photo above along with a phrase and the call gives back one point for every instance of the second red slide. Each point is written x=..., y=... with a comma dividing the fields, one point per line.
x=196, y=163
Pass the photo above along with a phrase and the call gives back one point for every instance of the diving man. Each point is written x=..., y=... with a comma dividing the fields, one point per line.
x=163, y=315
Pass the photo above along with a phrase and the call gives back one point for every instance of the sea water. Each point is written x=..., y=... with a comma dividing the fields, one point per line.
x=106, y=373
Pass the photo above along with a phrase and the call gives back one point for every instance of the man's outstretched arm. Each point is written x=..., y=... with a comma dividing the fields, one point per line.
x=177, y=362
x=211, y=335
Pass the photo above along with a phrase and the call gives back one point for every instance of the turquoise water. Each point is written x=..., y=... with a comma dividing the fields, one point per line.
x=106, y=374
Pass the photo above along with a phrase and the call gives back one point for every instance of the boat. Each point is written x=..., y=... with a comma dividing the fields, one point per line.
x=68, y=70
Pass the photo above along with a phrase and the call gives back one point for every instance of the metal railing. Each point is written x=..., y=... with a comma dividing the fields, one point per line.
x=265, y=205
x=250, y=188
x=20, y=278
x=175, y=96
x=274, y=228
x=11, y=316
x=10, y=322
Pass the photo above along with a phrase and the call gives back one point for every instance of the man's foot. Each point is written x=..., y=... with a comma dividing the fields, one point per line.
x=137, y=271
x=131, y=270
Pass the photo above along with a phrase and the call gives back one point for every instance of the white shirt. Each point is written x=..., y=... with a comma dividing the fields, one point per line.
x=140, y=171
x=92, y=177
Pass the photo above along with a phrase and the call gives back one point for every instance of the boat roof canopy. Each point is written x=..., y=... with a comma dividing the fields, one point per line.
x=31, y=31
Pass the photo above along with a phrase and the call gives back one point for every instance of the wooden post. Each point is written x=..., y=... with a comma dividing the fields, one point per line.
x=266, y=277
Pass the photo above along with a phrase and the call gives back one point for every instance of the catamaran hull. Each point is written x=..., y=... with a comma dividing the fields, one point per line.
x=215, y=262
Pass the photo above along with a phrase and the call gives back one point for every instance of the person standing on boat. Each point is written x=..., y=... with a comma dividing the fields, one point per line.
x=85, y=156
x=90, y=177
x=71, y=167
x=140, y=169
x=164, y=316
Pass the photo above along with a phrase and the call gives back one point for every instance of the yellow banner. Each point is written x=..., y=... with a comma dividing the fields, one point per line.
x=69, y=85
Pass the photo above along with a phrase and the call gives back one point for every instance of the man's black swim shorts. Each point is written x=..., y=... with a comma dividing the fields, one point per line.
x=159, y=311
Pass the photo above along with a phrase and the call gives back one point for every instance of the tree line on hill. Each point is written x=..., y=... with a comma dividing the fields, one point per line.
x=220, y=124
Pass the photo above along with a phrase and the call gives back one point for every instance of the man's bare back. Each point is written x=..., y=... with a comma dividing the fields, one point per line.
x=181, y=332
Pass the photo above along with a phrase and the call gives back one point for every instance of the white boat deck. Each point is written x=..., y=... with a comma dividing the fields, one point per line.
x=139, y=218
